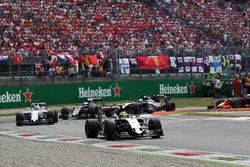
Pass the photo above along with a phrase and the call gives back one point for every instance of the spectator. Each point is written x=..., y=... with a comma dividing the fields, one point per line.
x=237, y=86
x=94, y=71
x=52, y=72
x=248, y=83
x=34, y=26
x=72, y=71
x=39, y=70
x=217, y=85
x=59, y=71
x=244, y=86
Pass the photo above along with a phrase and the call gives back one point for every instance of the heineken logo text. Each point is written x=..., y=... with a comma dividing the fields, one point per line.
x=10, y=98
x=99, y=92
x=177, y=89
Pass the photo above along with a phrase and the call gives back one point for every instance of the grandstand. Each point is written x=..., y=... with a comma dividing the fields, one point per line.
x=119, y=28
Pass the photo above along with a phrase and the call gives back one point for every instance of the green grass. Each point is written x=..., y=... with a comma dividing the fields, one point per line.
x=193, y=102
x=7, y=114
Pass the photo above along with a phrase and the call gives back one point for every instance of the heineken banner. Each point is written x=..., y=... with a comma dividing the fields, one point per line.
x=11, y=97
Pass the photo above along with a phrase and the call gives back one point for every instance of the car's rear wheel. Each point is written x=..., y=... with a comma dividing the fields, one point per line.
x=109, y=113
x=137, y=108
x=19, y=119
x=110, y=130
x=91, y=128
x=154, y=125
x=65, y=113
x=170, y=106
x=236, y=103
x=145, y=108
x=50, y=117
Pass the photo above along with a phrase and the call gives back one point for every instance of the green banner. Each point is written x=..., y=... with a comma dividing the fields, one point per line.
x=15, y=96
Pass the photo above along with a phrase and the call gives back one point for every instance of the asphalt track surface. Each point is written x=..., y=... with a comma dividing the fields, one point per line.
x=200, y=133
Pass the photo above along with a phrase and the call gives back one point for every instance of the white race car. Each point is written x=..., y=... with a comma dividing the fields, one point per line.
x=38, y=113
x=126, y=124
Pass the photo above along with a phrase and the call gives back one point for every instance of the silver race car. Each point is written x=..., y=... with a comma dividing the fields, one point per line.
x=88, y=109
x=36, y=114
x=126, y=124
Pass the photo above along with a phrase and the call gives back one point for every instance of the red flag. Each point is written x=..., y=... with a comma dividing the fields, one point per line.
x=152, y=62
x=70, y=58
x=81, y=58
x=93, y=59
x=16, y=58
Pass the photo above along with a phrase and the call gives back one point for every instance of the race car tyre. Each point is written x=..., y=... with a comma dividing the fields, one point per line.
x=145, y=108
x=109, y=113
x=93, y=111
x=55, y=117
x=91, y=128
x=65, y=113
x=110, y=130
x=236, y=103
x=19, y=119
x=50, y=117
x=137, y=108
x=154, y=125
x=170, y=106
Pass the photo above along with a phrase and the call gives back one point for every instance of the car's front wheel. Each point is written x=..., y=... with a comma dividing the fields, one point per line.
x=154, y=125
x=19, y=119
x=50, y=117
x=55, y=117
x=110, y=130
x=91, y=128
x=65, y=113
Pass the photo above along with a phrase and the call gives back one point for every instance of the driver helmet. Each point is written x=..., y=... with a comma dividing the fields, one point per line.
x=122, y=114
x=140, y=100
x=37, y=107
x=85, y=103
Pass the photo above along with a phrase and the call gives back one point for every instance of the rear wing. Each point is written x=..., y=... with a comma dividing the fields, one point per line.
x=92, y=99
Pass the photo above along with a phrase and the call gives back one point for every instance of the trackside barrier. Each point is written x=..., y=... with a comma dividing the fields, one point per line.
x=16, y=96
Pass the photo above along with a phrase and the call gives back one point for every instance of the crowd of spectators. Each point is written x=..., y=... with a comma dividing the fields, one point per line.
x=210, y=23
x=41, y=26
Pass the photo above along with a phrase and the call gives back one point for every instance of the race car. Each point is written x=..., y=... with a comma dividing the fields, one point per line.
x=151, y=104
x=126, y=124
x=237, y=102
x=37, y=114
x=88, y=109
x=146, y=104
